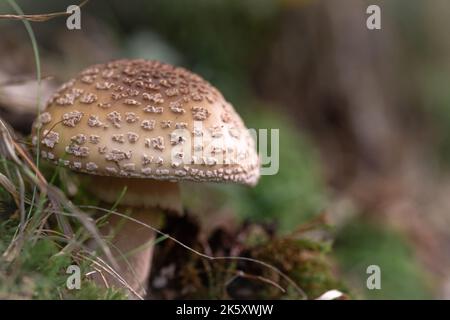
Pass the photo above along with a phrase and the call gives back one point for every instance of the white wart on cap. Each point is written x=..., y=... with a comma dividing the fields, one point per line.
x=147, y=119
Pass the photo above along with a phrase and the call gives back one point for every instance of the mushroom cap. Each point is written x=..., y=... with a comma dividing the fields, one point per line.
x=146, y=119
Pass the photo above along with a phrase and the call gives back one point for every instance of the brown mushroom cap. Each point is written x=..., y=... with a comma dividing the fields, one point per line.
x=147, y=119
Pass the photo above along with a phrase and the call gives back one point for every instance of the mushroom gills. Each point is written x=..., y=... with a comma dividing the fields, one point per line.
x=146, y=193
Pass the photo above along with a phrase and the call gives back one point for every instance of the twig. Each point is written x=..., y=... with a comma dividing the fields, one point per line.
x=39, y=17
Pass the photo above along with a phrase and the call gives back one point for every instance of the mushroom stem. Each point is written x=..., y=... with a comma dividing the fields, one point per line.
x=132, y=246
x=132, y=243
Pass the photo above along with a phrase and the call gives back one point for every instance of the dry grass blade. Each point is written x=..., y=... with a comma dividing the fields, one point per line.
x=21, y=199
x=7, y=148
x=10, y=187
x=38, y=17
x=30, y=163
x=11, y=149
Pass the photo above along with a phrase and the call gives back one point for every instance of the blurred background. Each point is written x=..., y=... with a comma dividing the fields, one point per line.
x=364, y=115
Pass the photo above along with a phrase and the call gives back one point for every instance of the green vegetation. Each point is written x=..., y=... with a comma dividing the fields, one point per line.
x=39, y=271
x=361, y=244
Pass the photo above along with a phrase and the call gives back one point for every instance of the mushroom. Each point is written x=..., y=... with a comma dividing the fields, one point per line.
x=146, y=126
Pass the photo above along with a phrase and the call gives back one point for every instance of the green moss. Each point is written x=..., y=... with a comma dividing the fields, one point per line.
x=304, y=261
x=361, y=244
